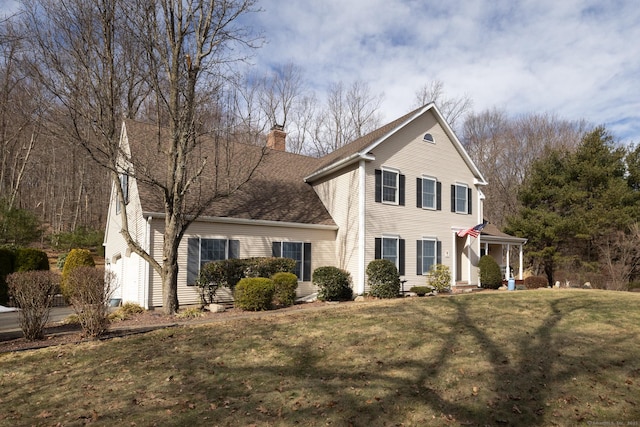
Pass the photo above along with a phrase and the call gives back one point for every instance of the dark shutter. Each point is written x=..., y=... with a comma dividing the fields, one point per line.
x=234, y=248
x=401, y=190
x=401, y=257
x=419, y=257
x=419, y=192
x=469, y=194
x=306, y=264
x=378, y=186
x=438, y=196
x=453, y=198
x=438, y=252
x=378, y=251
x=276, y=249
x=193, y=260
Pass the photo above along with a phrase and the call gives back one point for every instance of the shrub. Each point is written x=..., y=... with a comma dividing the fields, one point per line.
x=212, y=276
x=420, y=290
x=126, y=311
x=334, y=284
x=439, y=277
x=28, y=259
x=190, y=313
x=33, y=292
x=268, y=266
x=90, y=291
x=254, y=294
x=61, y=259
x=285, y=285
x=490, y=273
x=383, y=278
x=18, y=226
x=7, y=260
x=81, y=237
x=535, y=282
x=75, y=259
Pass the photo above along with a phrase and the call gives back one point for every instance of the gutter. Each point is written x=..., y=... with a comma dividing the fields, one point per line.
x=244, y=221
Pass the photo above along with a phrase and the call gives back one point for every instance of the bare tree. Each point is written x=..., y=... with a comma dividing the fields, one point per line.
x=453, y=109
x=504, y=147
x=620, y=256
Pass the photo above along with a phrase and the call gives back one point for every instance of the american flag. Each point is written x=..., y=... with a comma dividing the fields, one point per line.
x=473, y=231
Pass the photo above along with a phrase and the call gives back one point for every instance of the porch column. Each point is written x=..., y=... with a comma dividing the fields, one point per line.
x=454, y=263
x=521, y=262
x=508, y=267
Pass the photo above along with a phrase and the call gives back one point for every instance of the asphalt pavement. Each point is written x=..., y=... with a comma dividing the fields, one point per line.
x=9, y=319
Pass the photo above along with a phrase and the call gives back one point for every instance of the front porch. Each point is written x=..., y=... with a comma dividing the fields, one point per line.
x=504, y=249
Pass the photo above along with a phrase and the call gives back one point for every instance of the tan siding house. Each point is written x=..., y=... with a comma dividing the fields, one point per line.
x=401, y=192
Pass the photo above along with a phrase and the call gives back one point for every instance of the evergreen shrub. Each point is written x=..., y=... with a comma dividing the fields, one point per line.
x=7, y=261
x=76, y=258
x=535, y=282
x=383, y=279
x=285, y=289
x=268, y=266
x=490, y=273
x=333, y=283
x=29, y=259
x=254, y=294
x=439, y=277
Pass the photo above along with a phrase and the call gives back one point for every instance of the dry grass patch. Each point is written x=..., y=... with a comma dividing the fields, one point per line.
x=520, y=358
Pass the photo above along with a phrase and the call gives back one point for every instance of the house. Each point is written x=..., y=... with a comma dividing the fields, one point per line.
x=400, y=193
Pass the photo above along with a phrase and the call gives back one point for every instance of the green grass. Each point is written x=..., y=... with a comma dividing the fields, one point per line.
x=530, y=358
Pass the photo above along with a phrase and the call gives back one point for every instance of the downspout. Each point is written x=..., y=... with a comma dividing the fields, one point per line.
x=361, y=226
x=145, y=292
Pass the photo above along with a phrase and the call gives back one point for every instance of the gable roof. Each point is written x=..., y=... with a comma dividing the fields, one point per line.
x=361, y=147
x=275, y=192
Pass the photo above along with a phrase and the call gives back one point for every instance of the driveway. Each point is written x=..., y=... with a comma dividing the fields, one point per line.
x=9, y=319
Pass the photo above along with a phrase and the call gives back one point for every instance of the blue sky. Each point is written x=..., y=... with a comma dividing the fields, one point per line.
x=578, y=59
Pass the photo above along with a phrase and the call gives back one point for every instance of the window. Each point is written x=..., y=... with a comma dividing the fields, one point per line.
x=392, y=249
x=429, y=253
x=389, y=186
x=429, y=138
x=428, y=193
x=300, y=252
x=124, y=184
x=461, y=199
x=201, y=251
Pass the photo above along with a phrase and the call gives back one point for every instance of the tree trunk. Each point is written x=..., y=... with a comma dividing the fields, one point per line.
x=170, y=267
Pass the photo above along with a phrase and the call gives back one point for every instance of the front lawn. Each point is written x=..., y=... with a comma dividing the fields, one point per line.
x=527, y=358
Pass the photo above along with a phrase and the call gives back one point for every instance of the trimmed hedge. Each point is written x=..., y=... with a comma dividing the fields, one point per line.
x=254, y=294
x=268, y=266
x=285, y=285
x=383, y=278
x=29, y=259
x=7, y=262
x=535, y=282
x=490, y=273
x=76, y=258
x=334, y=284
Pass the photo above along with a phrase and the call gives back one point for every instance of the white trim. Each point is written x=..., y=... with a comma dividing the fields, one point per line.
x=264, y=222
x=466, y=197
x=356, y=157
x=146, y=273
x=435, y=194
x=384, y=169
x=362, y=199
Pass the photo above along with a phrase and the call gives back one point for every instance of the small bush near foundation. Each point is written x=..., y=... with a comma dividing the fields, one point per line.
x=334, y=284
x=89, y=292
x=285, y=289
x=420, y=290
x=268, y=266
x=439, y=277
x=490, y=274
x=126, y=311
x=33, y=293
x=254, y=294
x=383, y=278
x=535, y=282
x=190, y=313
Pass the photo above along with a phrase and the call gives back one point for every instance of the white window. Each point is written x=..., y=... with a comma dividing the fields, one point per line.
x=390, y=249
x=124, y=184
x=428, y=258
x=201, y=251
x=428, y=193
x=300, y=253
x=461, y=198
x=390, y=181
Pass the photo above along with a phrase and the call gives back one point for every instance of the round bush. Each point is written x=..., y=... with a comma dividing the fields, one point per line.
x=383, y=279
x=28, y=259
x=535, y=282
x=254, y=294
x=76, y=258
x=439, y=277
x=334, y=284
x=285, y=289
x=490, y=273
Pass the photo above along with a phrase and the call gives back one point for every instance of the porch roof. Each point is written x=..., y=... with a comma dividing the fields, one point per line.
x=491, y=234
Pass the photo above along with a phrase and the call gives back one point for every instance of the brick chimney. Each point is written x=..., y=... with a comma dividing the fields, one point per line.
x=276, y=138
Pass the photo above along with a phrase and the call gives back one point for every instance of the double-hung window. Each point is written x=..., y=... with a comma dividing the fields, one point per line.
x=391, y=248
x=124, y=185
x=300, y=253
x=389, y=186
x=201, y=251
x=428, y=254
x=461, y=199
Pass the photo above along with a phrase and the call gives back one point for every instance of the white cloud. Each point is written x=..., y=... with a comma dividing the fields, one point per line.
x=579, y=59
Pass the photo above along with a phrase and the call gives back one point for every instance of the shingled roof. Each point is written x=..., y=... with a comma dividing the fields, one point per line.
x=276, y=191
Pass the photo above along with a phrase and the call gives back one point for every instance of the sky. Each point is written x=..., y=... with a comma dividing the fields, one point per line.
x=577, y=59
